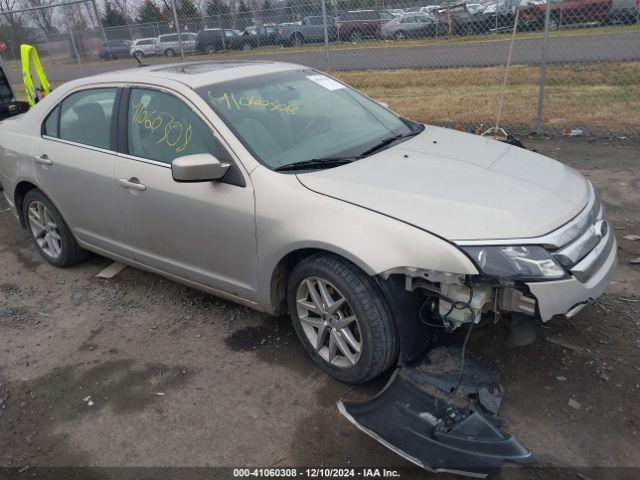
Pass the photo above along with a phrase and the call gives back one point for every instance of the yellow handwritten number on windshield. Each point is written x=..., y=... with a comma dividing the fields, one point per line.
x=233, y=102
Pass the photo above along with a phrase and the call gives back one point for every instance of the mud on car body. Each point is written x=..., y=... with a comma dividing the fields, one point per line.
x=280, y=188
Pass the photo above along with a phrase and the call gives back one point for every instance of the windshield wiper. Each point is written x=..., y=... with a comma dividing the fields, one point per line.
x=388, y=141
x=317, y=163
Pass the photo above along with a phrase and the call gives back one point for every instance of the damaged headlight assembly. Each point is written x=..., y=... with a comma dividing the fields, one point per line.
x=511, y=262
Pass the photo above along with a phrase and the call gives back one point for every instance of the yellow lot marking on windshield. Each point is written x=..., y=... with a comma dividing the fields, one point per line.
x=238, y=103
x=174, y=134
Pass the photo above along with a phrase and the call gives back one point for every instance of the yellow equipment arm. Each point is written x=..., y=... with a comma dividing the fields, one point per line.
x=28, y=53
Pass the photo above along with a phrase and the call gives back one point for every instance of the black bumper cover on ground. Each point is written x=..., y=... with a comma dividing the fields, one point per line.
x=417, y=416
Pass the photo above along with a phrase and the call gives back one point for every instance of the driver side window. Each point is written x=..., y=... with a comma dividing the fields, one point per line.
x=162, y=128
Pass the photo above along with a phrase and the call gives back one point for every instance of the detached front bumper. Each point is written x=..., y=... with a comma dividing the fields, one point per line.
x=590, y=277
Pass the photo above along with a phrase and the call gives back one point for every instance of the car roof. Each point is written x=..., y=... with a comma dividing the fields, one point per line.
x=192, y=74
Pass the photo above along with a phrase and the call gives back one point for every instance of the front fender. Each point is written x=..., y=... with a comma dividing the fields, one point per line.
x=290, y=217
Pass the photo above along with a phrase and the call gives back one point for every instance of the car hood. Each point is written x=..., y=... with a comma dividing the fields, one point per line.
x=459, y=186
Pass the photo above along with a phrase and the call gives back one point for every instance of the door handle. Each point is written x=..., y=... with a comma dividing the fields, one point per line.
x=43, y=159
x=131, y=184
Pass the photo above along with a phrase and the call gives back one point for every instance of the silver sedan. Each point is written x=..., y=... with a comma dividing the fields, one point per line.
x=280, y=188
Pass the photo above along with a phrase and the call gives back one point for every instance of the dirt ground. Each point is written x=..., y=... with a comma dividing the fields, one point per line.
x=139, y=371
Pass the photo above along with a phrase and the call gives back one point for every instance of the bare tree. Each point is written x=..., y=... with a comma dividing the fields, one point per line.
x=43, y=17
x=7, y=9
x=123, y=6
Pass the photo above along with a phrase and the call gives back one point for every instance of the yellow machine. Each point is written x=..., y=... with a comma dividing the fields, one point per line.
x=28, y=54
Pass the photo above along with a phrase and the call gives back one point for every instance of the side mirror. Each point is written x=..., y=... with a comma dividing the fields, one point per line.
x=202, y=167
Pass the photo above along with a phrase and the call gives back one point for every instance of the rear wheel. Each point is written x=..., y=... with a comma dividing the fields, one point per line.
x=399, y=35
x=355, y=37
x=139, y=54
x=341, y=318
x=169, y=52
x=49, y=232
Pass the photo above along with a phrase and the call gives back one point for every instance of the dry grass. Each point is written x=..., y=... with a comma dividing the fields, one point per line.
x=602, y=97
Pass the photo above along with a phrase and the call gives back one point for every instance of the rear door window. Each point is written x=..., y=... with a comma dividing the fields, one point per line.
x=85, y=117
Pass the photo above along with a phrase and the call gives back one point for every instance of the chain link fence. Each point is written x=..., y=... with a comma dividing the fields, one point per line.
x=574, y=64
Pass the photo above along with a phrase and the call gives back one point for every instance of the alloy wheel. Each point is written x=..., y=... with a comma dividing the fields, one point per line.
x=329, y=323
x=44, y=229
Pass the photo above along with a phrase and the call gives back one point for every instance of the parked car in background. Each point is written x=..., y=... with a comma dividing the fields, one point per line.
x=169, y=44
x=113, y=49
x=474, y=8
x=357, y=25
x=625, y=12
x=494, y=17
x=254, y=37
x=430, y=9
x=564, y=12
x=311, y=29
x=210, y=40
x=458, y=20
x=143, y=47
x=410, y=25
x=396, y=12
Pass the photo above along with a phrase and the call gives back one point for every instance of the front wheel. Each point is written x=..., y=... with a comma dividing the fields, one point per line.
x=49, y=232
x=355, y=37
x=169, y=52
x=341, y=319
x=400, y=35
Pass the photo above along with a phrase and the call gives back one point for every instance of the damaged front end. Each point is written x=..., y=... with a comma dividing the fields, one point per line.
x=439, y=409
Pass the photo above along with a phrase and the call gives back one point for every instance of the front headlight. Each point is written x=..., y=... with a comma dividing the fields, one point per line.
x=512, y=262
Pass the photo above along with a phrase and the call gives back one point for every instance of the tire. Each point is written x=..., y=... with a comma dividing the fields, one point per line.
x=246, y=46
x=169, y=52
x=139, y=54
x=399, y=35
x=372, y=325
x=297, y=40
x=355, y=37
x=70, y=252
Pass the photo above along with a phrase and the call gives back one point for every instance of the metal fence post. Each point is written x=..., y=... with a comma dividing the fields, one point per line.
x=73, y=40
x=326, y=36
x=101, y=27
x=543, y=68
x=177, y=27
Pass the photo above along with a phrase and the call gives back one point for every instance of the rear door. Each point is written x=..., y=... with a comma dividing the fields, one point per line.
x=202, y=231
x=74, y=162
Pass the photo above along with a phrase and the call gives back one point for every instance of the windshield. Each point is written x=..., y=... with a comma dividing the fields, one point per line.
x=289, y=117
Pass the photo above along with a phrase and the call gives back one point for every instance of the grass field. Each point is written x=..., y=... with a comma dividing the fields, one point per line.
x=601, y=97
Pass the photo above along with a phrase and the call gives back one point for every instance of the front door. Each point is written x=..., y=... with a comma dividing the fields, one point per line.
x=204, y=231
